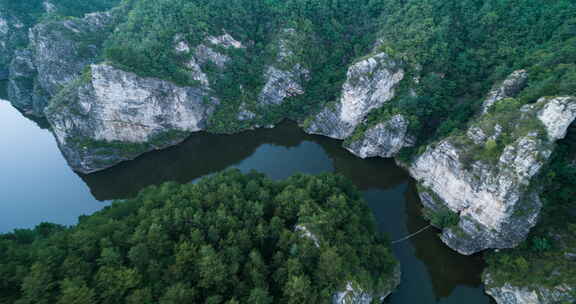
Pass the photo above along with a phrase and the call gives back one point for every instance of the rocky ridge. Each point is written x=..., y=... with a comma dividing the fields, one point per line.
x=485, y=176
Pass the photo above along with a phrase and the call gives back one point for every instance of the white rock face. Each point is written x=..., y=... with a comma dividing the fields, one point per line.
x=370, y=84
x=510, y=294
x=283, y=78
x=496, y=206
x=204, y=53
x=557, y=116
x=118, y=106
x=385, y=139
x=56, y=56
x=509, y=88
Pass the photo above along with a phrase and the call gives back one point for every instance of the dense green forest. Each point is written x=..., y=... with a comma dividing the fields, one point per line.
x=31, y=11
x=230, y=238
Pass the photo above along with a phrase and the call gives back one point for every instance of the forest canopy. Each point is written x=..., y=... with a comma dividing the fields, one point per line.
x=230, y=238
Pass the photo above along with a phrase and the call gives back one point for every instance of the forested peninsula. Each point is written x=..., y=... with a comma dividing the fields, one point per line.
x=475, y=98
x=230, y=238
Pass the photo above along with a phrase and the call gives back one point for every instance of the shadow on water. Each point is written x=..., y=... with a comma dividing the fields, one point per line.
x=203, y=154
x=432, y=273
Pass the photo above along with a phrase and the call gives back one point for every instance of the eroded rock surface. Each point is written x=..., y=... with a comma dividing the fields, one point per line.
x=510, y=294
x=111, y=115
x=58, y=53
x=486, y=179
x=385, y=139
x=286, y=76
x=370, y=83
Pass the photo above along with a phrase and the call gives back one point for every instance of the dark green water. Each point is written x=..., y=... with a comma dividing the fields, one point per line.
x=36, y=185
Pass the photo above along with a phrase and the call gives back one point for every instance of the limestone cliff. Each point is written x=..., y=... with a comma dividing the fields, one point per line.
x=286, y=76
x=385, y=139
x=110, y=115
x=485, y=175
x=370, y=83
x=58, y=51
x=511, y=294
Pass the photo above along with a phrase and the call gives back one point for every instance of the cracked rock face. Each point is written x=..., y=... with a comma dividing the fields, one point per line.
x=510, y=87
x=57, y=56
x=510, y=294
x=205, y=53
x=283, y=78
x=370, y=83
x=496, y=204
x=385, y=139
x=113, y=106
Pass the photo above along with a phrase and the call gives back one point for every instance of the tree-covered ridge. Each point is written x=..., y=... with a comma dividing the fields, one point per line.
x=460, y=49
x=546, y=258
x=230, y=238
x=31, y=11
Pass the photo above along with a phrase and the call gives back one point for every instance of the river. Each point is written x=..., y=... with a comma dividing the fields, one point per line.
x=36, y=185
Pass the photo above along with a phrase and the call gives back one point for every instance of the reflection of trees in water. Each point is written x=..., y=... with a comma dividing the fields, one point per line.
x=446, y=267
x=203, y=154
x=199, y=155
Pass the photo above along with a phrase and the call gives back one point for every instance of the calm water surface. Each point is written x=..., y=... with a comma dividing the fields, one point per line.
x=36, y=185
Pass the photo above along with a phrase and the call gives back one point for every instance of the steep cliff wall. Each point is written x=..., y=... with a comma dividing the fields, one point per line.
x=109, y=115
x=370, y=83
x=57, y=53
x=486, y=175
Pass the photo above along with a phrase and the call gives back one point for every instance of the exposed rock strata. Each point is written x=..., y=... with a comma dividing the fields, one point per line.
x=59, y=51
x=370, y=83
x=510, y=294
x=495, y=200
x=285, y=77
x=385, y=139
x=113, y=109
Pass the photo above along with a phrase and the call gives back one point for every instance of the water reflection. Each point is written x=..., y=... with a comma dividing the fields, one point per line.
x=204, y=154
x=431, y=272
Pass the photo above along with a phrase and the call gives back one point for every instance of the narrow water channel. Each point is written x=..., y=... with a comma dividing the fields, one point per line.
x=36, y=185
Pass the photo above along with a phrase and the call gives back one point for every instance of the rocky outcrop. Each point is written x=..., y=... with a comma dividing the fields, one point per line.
x=59, y=51
x=385, y=139
x=510, y=294
x=508, y=88
x=370, y=83
x=286, y=76
x=110, y=115
x=485, y=175
x=205, y=53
